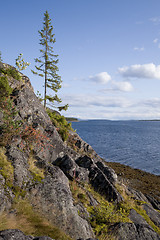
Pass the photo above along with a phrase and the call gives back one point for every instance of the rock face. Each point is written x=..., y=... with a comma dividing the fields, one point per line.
x=51, y=195
x=54, y=192
x=130, y=231
x=15, y=234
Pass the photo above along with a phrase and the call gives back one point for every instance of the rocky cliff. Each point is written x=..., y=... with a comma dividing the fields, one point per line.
x=60, y=189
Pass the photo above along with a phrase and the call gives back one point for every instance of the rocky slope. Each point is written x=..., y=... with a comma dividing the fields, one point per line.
x=66, y=185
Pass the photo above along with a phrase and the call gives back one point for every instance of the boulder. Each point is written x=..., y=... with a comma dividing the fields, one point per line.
x=14, y=234
x=153, y=214
x=109, y=172
x=155, y=203
x=136, y=218
x=102, y=185
x=71, y=169
x=84, y=161
x=20, y=163
x=131, y=231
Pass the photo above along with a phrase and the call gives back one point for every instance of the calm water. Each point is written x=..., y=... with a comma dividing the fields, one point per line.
x=133, y=143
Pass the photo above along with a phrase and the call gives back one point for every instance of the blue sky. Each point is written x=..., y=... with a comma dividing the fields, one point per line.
x=109, y=53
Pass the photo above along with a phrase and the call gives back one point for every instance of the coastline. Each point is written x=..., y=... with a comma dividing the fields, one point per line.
x=147, y=183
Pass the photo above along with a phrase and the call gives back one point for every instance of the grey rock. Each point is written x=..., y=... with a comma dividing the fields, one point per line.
x=71, y=169
x=93, y=201
x=84, y=148
x=53, y=197
x=131, y=231
x=136, y=218
x=153, y=214
x=14, y=234
x=136, y=195
x=155, y=203
x=102, y=185
x=20, y=164
x=5, y=195
x=109, y=172
x=82, y=211
x=84, y=161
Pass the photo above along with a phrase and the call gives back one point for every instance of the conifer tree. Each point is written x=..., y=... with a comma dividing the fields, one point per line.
x=47, y=64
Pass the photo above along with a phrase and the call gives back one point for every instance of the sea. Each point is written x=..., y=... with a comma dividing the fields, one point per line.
x=133, y=143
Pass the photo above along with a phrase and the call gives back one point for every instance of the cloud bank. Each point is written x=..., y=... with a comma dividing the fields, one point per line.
x=150, y=71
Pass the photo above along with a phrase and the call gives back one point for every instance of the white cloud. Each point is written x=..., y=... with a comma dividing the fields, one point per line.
x=102, y=78
x=155, y=20
x=122, y=86
x=155, y=40
x=111, y=107
x=150, y=71
x=139, y=49
x=92, y=101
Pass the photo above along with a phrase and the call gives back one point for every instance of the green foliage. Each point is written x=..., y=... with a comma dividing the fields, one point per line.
x=11, y=72
x=20, y=63
x=9, y=127
x=47, y=63
x=37, y=173
x=130, y=203
x=104, y=214
x=60, y=123
x=5, y=89
x=6, y=168
x=71, y=119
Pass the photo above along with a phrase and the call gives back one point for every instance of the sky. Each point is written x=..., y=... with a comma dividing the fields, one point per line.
x=108, y=51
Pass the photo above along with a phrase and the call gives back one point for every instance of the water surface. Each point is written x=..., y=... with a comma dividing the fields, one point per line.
x=133, y=143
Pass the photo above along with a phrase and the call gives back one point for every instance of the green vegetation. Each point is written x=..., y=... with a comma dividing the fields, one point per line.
x=30, y=222
x=47, y=64
x=5, y=89
x=10, y=72
x=71, y=119
x=38, y=174
x=6, y=168
x=60, y=123
x=9, y=126
x=20, y=63
x=103, y=215
x=130, y=203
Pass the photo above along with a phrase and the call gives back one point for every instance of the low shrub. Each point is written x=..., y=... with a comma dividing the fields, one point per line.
x=5, y=89
x=37, y=173
x=11, y=72
x=60, y=123
x=6, y=168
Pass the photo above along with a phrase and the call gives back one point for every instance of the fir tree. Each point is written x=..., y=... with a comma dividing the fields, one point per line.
x=47, y=64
